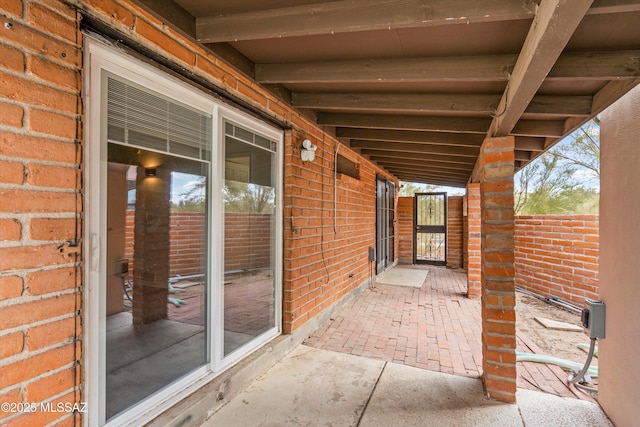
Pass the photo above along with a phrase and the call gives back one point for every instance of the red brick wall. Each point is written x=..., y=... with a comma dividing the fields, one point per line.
x=557, y=256
x=405, y=230
x=454, y=231
x=42, y=144
x=40, y=200
x=323, y=263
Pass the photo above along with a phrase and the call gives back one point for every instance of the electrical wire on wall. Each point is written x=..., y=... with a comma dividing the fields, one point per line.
x=335, y=189
x=324, y=260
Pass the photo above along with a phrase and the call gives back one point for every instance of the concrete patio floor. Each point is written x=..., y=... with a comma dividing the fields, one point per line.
x=398, y=355
x=313, y=387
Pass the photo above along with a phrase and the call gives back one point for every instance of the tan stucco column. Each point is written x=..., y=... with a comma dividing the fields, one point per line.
x=619, y=350
x=495, y=173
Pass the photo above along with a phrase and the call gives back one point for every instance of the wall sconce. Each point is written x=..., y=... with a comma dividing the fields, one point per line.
x=150, y=172
x=308, y=151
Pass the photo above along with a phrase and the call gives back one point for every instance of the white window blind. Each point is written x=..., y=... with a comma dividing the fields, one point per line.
x=142, y=118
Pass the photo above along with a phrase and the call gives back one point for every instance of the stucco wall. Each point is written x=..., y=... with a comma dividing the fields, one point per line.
x=620, y=260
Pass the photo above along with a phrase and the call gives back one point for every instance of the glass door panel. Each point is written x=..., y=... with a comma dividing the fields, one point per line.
x=156, y=296
x=249, y=198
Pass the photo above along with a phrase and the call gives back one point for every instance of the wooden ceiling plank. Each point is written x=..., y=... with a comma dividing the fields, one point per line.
x=438, y=103
x=419, y=170
x=577, y=65
x=406, y=122
x=427, y=164
x=596, y=65
x=522, y=155
x=455, y=139
x=432, y=180
x=440, y=158
x=423, y=166
x=553, y=26
x=396, y=102
x=613, y=6
x=354, y=15
x=527, y=143
x=551, y=128
x=416, y=148
x=450, y=69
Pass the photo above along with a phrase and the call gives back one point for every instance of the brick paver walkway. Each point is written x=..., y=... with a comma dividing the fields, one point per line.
x=435, y=327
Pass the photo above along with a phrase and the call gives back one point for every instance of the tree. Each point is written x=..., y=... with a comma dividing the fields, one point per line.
x=584, y=149
x=410, y=188
x=246, y=197
x=552, y=185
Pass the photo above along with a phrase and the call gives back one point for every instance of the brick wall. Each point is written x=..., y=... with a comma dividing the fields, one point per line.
x=405, y=230
x=557, y=256
x=40, y=270
x=323, y=262
x=454, y=231
x=41, y=146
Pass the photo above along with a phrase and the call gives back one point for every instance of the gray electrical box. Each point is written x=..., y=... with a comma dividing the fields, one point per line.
x=593, y=318
x=372, y=254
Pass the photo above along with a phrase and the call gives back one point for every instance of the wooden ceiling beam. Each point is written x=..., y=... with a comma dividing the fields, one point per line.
x=450, y=103
x=440, y=158
x=546, y=128
x=355, y=15
x=405, y=122
x=573, y=66
x=450, y=69
x=438, y=103
x=426, y=171
x=526, y=143
x=423, y=163
x=432, y=180
x=423, y=167
x=426, y=137
x=416, y=148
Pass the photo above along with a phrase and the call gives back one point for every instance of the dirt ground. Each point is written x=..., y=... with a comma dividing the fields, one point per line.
x=563, y=344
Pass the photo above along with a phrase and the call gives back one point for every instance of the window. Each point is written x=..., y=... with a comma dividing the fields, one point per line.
x=183, y=213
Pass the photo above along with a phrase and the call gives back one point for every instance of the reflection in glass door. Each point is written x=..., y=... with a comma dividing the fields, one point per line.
x=430, y=225
x=249, y=245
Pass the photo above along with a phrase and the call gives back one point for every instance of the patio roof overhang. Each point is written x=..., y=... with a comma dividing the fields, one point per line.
x=416, y=85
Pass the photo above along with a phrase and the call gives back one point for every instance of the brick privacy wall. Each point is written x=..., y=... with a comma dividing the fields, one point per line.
x=557, y=256
x=40, y=202
x=41, y=145
x=405, y=230
x=454, y=231
x=188, y=244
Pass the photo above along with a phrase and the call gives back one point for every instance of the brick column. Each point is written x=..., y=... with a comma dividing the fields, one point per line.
x=151, y=246
x=473, y=241
x=497, y=254
x=454, y=232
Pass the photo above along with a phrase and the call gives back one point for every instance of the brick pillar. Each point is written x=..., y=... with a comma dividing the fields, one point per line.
x=498, y=272
x=454, y=232
x=473, y=241
x=151, y=246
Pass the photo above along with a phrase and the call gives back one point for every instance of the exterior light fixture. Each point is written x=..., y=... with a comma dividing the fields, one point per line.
x=150, y=172
x=308, y=151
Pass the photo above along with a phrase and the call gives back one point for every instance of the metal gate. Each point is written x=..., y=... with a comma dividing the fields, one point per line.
x=430, y=225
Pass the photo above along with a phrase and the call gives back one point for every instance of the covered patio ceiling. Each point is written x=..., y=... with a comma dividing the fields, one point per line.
x=416, y=85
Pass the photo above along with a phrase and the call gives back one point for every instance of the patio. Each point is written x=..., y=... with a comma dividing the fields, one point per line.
x=435, y=327
x=400, y=355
